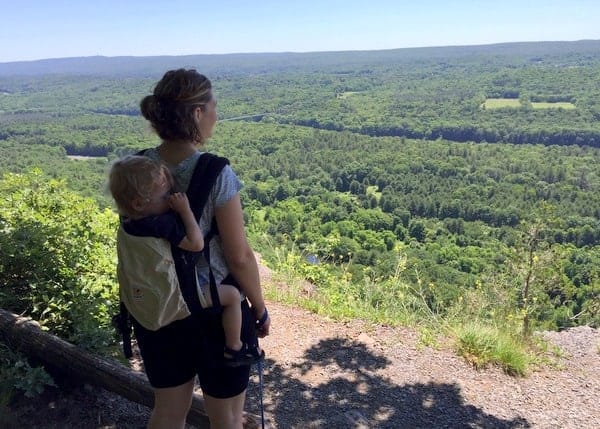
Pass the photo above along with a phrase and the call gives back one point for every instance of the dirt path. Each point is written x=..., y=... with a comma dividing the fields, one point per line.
x=326, y=374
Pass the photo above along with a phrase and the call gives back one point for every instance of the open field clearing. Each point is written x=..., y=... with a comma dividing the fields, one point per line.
x=499, y=103
x=557, y=105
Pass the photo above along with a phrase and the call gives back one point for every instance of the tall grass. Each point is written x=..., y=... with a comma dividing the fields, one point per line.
x=482, y=345
x=329, y=289
x=472, y=322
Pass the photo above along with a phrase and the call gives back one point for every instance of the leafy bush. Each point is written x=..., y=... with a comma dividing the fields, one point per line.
x=57, y=258
x=16, y=374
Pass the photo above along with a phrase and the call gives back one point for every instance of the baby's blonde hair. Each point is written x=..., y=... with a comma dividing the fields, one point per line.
x=131, y=177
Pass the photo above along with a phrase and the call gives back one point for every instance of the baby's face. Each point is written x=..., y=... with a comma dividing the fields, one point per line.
x=158, y=202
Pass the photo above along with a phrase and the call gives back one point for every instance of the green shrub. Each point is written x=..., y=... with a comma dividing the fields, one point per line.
x=57, y=258
x=17, y=374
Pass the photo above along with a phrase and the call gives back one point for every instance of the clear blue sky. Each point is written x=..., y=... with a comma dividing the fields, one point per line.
x=37, y=29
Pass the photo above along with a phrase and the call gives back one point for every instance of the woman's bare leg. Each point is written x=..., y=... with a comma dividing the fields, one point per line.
x=171, y=406
x=225, y=413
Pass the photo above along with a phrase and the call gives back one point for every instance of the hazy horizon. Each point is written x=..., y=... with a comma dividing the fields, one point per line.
x=37, y=30
x=295, y=52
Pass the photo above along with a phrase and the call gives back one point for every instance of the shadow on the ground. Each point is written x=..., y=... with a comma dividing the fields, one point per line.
x=363, y=400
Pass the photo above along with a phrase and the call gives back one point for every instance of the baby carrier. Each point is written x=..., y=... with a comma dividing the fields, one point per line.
x=172, y=291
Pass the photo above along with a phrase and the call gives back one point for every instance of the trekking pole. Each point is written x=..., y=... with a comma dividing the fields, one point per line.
x=260, y=392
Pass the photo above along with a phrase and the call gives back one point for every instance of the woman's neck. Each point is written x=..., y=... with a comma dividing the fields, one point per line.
x=173, y=152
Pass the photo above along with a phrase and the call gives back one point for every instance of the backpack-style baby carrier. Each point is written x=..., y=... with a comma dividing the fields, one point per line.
x=172, y=291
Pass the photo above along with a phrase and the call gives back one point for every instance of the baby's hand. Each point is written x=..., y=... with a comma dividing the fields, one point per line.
x=179, y=202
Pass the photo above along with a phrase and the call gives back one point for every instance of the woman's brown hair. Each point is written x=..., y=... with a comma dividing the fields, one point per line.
x=170, y=109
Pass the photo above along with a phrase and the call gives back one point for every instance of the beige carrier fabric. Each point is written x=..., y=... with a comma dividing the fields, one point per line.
x=148, y=283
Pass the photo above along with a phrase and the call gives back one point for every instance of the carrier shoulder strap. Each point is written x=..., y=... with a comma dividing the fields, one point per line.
x=205, y=174
x=212, y=166
x=208, y=168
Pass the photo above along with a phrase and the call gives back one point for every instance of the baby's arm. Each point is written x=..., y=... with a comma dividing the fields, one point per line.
x=193, y=240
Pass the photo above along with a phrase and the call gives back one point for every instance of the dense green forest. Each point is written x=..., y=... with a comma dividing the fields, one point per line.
x=380, y=171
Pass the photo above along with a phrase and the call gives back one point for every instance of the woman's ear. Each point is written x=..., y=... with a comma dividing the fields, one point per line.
x=199, y=112
x=198, y=116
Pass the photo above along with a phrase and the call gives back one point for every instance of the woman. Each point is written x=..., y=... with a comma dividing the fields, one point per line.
x=182, y=110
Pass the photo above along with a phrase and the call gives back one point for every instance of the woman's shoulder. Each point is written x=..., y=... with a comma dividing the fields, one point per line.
x=227, y=185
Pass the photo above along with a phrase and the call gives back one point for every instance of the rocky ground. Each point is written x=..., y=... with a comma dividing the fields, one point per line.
x=321, y=373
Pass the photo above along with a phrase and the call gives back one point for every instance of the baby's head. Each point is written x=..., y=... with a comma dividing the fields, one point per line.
x=140, y=186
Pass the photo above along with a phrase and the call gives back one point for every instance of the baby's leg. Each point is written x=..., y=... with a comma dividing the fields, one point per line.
x=232, y=315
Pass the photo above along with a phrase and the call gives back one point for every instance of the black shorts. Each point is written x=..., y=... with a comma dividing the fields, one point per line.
x=174, y=354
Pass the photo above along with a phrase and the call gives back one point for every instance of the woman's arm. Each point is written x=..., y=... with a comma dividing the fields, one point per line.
x=240, y=257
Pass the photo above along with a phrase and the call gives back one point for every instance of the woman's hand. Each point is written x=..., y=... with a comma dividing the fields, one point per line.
x=263, y=323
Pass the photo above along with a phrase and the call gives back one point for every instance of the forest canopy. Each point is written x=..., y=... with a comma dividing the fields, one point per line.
x=368, y=165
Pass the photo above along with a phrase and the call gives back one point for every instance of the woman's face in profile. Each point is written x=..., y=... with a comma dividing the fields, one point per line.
x=207, y=118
